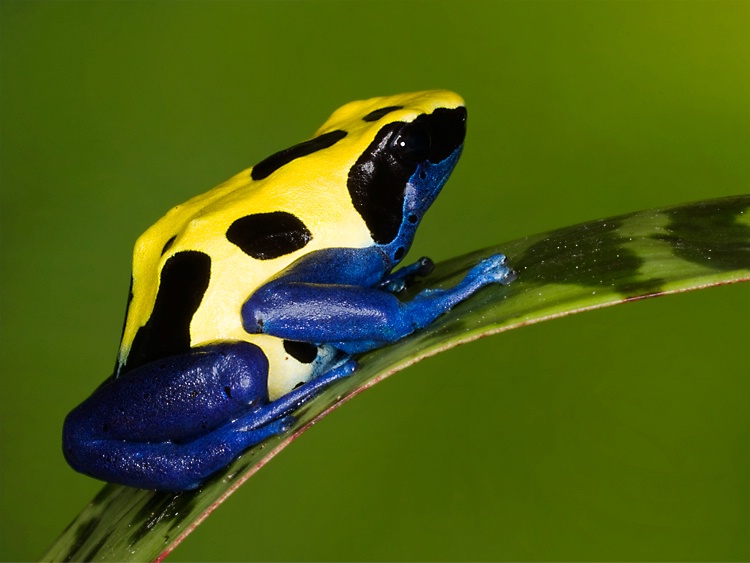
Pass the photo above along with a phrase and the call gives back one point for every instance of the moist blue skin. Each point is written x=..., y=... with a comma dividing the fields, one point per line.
x=171, y=423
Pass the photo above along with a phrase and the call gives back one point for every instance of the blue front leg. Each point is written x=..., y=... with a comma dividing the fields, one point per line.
x=334, y=296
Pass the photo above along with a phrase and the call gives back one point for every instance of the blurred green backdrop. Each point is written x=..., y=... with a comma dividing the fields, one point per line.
x=619, y=434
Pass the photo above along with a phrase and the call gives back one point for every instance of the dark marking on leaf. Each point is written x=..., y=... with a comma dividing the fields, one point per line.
x=708, y=233
x=271, y=164
x=185, y=503
x=161, y=506
x=96, y=549
x=586, y=255
x=105, y=495
x=265, y=236
x=83, y=532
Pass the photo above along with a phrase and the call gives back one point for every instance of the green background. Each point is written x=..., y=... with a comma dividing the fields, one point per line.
x=618, y=434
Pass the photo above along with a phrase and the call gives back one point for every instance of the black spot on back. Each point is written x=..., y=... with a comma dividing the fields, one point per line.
x=378, y=113
x=303, y=352
x=269, y=235
x=184, y=280
x=271, y=164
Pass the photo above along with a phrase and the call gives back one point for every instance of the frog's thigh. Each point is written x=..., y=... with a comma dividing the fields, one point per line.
x=169, y=466
x=174, y=399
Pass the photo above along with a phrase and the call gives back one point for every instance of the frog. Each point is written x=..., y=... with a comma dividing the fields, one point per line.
x=249, y=300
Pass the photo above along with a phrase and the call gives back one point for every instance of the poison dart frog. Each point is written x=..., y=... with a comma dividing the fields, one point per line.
x=248, y=300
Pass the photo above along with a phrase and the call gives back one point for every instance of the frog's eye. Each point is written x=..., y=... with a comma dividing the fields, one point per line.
x=411, y=144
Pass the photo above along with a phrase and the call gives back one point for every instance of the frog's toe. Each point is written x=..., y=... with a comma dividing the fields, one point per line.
x=425, y=266
x=494, y=270
x=286, y=423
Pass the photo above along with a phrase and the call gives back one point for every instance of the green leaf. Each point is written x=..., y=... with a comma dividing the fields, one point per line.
x=570, y=270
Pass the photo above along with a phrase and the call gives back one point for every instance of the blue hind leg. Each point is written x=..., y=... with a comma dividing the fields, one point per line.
x=210, y=453
x=173, y=466
x=183, y=465
x=294, y=399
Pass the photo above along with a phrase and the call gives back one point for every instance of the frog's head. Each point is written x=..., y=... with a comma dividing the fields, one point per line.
x=410, y=144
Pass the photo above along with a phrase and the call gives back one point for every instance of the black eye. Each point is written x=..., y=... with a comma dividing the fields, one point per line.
x=411, y=144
